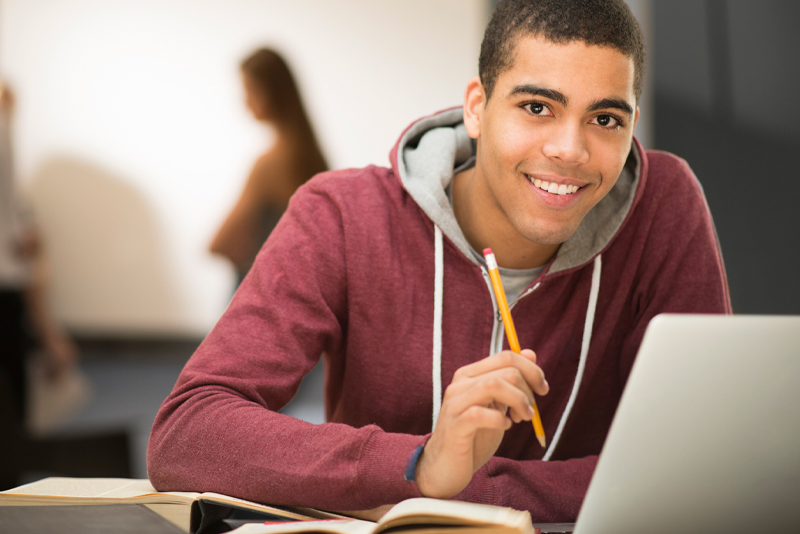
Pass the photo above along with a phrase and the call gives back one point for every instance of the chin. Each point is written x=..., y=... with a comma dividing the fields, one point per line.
x=555, y=235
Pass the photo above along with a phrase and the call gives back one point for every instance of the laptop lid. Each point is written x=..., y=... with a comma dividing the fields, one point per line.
x=706, y=437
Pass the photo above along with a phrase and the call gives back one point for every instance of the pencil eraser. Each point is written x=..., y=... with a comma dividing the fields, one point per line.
x=487, y=251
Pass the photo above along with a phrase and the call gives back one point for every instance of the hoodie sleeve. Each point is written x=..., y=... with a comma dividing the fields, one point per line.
x=551, y=491
x=679, y=270
x=219, y=429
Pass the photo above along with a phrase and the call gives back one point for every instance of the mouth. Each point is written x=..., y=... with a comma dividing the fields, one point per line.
x=553, y=187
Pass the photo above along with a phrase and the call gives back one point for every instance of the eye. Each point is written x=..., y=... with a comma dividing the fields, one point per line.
x=537, y=108
x=609, y=122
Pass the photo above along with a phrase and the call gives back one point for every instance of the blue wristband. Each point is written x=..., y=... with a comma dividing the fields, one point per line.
x=411, y=464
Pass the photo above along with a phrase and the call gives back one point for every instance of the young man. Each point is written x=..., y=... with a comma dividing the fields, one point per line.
x=379, y=270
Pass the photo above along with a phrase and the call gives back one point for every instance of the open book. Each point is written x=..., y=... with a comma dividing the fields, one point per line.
x=414, y=516
x=191, y=512
x=194, y=512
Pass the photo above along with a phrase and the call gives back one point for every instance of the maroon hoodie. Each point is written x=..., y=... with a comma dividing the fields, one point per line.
x=369, y=268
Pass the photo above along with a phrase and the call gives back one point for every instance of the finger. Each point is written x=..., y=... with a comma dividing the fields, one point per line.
x=504, y=387
x=481, y=418
x=512, y=375
x=502, y=359
x=532, y=373
x=528, y=353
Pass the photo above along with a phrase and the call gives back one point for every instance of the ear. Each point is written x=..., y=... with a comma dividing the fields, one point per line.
x=473, y=107
x=636, y=117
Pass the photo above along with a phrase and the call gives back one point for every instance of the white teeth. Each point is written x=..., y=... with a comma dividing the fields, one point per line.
x=554, y=188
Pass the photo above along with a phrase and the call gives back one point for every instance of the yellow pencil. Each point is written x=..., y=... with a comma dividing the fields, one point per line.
x=511, y=333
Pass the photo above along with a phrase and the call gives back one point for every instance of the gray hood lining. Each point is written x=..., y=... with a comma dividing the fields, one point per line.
x=433, y=147
x=603, y=221
x=429, y=152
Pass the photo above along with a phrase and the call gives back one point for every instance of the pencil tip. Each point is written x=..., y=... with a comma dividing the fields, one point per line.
x=542, y=442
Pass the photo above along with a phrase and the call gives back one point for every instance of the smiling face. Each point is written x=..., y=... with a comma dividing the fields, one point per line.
x=552, y=139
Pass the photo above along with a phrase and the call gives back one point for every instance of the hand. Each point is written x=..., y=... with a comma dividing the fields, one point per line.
x=62, y=354
x=483, y=401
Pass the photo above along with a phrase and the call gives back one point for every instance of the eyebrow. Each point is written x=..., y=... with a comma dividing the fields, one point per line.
x=535, y=90
x=552, y=94
x=612, y=103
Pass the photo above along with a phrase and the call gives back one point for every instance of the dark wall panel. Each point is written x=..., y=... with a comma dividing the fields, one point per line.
x=741, y=142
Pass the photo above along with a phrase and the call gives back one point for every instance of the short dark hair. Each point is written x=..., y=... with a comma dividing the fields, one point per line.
x=595, y=22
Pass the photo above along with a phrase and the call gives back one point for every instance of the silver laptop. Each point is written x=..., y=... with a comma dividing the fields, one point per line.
x=706, y=437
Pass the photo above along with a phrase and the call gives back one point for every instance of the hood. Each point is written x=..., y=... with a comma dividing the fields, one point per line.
x=426, y=158
x=434, y=148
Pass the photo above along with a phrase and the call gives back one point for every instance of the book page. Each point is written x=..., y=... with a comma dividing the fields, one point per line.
x=86, y=487
x=54, y=489
x=249, y=505
x=328, y=526
x=445, y=512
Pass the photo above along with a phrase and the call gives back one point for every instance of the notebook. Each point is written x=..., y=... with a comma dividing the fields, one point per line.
x=706, y=437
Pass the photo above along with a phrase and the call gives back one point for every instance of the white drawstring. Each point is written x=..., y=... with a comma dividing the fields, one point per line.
x=437, y=323
x=587, y=338
x=437, y=338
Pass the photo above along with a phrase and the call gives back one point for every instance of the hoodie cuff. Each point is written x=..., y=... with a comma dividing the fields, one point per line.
x=480, y=489
x=382, y=468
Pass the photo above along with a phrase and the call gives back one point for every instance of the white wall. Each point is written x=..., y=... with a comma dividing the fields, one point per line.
x=133, y=141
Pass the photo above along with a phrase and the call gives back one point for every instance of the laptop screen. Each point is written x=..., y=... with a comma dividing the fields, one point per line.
x=707, y=434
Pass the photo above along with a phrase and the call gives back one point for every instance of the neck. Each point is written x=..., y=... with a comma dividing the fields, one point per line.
x=511, y=249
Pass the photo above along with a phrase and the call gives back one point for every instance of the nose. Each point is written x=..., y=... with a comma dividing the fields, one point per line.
x=567, y=145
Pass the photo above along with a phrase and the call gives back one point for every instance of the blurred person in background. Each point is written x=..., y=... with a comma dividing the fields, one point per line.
x=26, y=322
x=23, y=275
x=272, y=97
